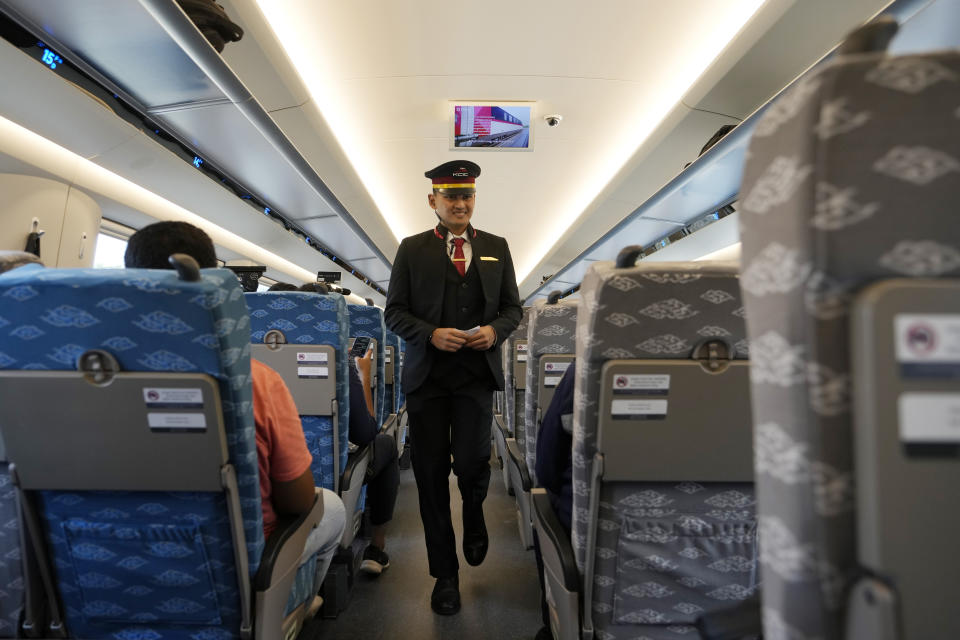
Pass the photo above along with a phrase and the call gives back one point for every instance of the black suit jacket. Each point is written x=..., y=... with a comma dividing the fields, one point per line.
x=415, y=298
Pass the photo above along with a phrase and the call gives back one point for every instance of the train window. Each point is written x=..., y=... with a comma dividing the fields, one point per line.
x=109, y=252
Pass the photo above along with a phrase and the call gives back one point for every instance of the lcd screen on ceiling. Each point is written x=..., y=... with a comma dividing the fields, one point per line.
x=492, y=126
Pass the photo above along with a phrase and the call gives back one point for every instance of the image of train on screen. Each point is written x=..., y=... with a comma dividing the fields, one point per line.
x=490, y=126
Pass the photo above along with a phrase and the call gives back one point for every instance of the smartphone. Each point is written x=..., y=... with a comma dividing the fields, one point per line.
x=360, y=346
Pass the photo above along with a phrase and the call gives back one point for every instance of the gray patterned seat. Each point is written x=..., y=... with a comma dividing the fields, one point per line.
x=504, y=423
x=852, y=179
x=512, y=412
x=551, y=331
x=651, y=555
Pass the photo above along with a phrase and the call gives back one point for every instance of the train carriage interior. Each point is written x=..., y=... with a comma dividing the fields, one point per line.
x=731, y=408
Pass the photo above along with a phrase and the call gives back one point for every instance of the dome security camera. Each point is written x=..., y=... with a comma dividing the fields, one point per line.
x=553, y=120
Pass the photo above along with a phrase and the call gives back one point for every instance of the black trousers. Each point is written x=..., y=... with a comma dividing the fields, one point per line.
x=447, y=420
x=383, y=479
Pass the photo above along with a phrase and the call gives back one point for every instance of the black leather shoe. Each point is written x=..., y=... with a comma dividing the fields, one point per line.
x=475, y=541
x=446, y=596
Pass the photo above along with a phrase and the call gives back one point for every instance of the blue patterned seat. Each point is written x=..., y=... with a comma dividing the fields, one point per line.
x=137, y=564
x=648, y=556
x=395, y=341
x=367, y=321
x=312, y=319
x=11, y=573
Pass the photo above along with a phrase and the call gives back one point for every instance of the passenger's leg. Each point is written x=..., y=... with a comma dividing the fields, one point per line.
x=325, y=539
x=430, y=457
x=383, y=481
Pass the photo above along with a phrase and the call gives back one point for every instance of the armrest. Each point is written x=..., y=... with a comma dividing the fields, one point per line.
x=354, y=460
x=283, y=548
x=552, y=533
x=742, y=620
x=501, y=425
x=519, y=460
x=389, y=423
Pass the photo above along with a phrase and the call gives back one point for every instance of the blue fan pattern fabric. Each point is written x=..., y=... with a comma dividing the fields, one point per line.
x=157, y=565
x=310, y=318
x=396, y=342
x=366, y=321
x=11, y=575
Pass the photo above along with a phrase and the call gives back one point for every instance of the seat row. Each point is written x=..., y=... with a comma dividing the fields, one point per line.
x=131, y=491
x=783, y=433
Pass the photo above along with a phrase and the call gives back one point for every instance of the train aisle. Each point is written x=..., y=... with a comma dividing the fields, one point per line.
x=501, y=597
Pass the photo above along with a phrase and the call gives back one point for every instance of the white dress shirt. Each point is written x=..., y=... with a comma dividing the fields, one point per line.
x=467, y=249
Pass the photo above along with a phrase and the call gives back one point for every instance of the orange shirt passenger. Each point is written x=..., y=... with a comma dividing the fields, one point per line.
x=282, y=454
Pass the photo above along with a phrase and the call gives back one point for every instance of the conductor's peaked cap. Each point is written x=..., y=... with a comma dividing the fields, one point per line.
x=456, y=176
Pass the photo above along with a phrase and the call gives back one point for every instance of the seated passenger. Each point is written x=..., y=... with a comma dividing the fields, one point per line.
x=554, y=463
x=554, y=469
x=286, y=482
x=383, y=473
x=282, y=286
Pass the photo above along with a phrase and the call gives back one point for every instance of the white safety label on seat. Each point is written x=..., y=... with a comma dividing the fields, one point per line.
x=555, y=367
x=522, y=352
x=313, y=372
x=173, y=398
x=386, y=359
x=927, y=345
x=929, y=417
x=638, y=409
x=522, y=347
x=641, y=384
x=305, y=357
x=521, y=357
x=551, y=381
x=177, y=421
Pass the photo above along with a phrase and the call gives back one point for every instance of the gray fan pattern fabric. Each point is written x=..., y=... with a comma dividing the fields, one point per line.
x=510, y=386
x=850, y=178
x=666, y=552
x=551, y=329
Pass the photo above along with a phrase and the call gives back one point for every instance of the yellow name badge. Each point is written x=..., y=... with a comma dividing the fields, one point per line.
x=489, y=259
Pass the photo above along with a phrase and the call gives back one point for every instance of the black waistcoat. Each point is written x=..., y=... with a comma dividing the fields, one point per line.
x=463, y=309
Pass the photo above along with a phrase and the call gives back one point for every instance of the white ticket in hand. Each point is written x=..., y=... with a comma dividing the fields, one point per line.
x=472, y=331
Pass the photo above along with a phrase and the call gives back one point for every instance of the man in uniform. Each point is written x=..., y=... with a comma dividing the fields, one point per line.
x=453, y=298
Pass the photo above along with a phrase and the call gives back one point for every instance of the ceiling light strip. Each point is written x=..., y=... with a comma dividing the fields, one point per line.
x=45, y=154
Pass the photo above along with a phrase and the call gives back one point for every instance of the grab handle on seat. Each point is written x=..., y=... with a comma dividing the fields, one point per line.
x=628, y=256
x=187, y=268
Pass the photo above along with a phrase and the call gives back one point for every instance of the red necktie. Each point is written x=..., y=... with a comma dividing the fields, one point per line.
x=459, y=260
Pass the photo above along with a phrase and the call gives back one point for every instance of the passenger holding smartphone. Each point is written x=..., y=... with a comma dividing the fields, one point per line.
x=383, y=474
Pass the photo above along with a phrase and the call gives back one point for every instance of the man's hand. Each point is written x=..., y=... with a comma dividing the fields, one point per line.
x=483, y=339
x=448, y=339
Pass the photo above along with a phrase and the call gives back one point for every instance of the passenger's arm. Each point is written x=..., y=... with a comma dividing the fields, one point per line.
x=554, y=443
x=364, y=365
x=510, y=309
x=397, y=313
x=291, y=481
x=294, y=497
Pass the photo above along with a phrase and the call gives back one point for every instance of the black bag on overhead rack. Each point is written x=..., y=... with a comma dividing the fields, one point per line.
x=212, y=21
